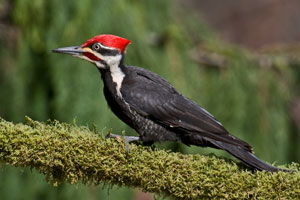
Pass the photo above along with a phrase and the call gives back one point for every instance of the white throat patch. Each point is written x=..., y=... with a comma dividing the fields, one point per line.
x=117, y=76
x=115, y=71
x=113, y=64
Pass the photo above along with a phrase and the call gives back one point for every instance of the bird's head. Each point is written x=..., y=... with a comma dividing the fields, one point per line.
x=102, y=50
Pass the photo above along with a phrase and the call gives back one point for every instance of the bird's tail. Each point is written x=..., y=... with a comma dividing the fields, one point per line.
x=247, y=157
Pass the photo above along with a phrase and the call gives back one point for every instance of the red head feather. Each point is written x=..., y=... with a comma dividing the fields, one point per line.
x=109, y=41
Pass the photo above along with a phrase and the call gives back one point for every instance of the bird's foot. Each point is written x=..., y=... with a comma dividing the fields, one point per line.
x=127, y=139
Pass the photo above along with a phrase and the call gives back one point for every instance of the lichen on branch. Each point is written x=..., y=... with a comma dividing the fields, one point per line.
x=70, y=153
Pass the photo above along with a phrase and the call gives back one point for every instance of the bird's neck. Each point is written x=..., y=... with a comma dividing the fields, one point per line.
x=113, y=77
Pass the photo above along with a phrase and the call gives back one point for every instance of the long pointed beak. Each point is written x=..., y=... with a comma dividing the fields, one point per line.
x=75, y=50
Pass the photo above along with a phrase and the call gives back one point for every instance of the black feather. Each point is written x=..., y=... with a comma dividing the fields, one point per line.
x=158, y=112
x=160, y=101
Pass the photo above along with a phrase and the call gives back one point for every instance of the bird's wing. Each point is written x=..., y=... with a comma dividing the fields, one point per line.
x=157, y=99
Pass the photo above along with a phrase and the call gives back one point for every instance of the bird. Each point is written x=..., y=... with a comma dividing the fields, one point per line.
x=150, y=105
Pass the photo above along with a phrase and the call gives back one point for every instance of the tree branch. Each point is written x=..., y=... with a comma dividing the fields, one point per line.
x=69, y=153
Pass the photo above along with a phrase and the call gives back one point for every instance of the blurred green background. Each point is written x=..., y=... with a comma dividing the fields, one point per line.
x=254, y=95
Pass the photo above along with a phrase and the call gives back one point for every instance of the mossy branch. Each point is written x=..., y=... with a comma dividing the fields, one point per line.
x=69, y=153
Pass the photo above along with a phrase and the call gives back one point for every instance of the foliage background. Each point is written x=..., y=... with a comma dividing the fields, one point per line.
x=252, y=100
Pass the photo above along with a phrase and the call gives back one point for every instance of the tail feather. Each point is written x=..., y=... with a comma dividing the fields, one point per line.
x=247, y=157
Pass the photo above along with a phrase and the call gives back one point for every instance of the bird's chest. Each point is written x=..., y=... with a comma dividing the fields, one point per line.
x=148, y=129
x=118, y=106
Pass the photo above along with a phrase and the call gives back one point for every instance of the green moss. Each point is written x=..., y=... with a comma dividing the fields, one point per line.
x=69, y=153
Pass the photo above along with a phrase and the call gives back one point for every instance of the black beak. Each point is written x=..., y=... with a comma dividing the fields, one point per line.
x=75, y=51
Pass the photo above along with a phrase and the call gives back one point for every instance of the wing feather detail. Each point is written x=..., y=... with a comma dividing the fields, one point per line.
x=160, y=101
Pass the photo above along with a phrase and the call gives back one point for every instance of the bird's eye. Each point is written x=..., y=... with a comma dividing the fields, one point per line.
x=96, y=46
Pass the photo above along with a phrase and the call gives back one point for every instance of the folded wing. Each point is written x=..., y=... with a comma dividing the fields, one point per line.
x=159, y=101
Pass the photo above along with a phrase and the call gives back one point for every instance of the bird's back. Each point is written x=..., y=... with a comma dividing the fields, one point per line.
x=156, y=99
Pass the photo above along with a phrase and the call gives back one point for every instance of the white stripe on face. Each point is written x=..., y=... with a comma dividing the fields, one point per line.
x=117, y=74
x=112, y=63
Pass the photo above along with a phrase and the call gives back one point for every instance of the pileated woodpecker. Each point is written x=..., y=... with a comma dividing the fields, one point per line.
x=153, y=107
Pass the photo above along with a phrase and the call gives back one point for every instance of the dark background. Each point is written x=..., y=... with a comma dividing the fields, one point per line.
x=238, y=59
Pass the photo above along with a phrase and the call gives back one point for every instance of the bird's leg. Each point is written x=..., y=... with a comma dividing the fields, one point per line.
x=127, y=139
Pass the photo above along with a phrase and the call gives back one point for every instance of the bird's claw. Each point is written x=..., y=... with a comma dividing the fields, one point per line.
x=127, y=139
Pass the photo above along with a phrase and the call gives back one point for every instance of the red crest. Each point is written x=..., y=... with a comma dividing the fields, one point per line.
x=109, y=41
